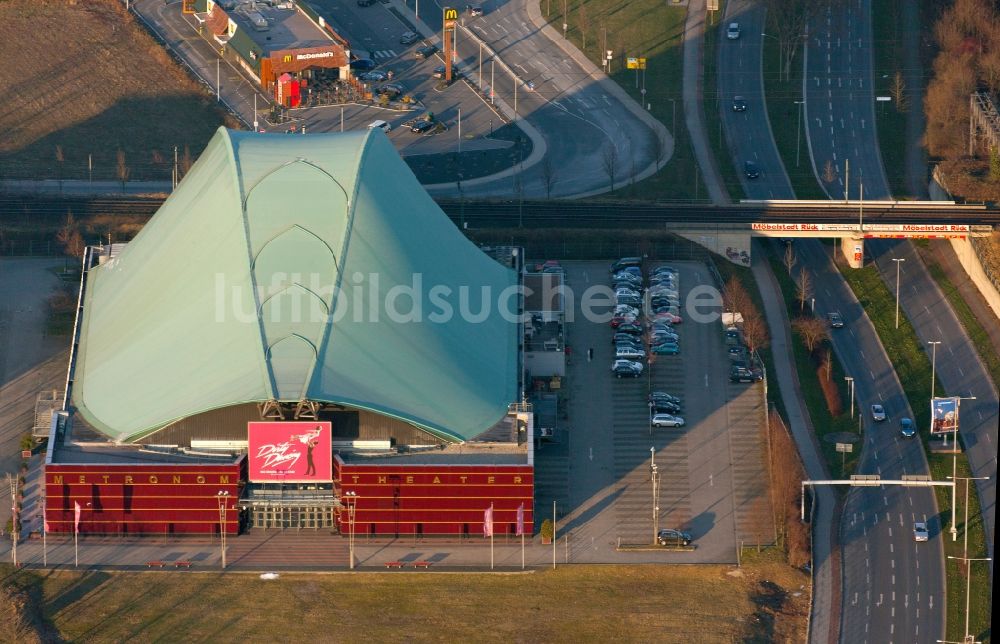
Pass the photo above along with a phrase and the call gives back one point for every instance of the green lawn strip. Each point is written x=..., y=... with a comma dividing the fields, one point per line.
x=913, y=369
x=980, y=617
x=728, y=270
x=654, y=30
x=969, y=321
x=416, y=607
x=713, y=105
x=890, y=121
x=840, y=465
x=784, y=114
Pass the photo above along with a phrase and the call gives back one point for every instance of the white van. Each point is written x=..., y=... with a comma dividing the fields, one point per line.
x=382, y=125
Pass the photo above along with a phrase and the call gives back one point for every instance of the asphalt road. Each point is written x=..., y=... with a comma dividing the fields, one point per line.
x=749, y=133
x=840, y=104
x=957, y=365
x=879, y=561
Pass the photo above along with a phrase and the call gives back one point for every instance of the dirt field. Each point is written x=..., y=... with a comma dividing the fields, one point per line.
x=572, y=604
x=89, y=79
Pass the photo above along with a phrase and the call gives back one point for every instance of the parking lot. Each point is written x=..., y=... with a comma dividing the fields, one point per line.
x=712, y=470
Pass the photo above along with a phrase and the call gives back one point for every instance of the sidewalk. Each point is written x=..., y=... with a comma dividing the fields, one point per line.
x=825, y=614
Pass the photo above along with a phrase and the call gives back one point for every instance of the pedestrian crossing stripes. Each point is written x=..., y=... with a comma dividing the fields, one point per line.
x=384, y=53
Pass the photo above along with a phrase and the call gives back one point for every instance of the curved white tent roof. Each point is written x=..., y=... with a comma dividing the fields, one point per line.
x=278, y=270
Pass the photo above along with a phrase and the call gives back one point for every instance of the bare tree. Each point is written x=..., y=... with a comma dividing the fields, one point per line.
x=754, y=328
x=548, y=175
x=735, y=297
x=583, y=24
x=803, y=288
x=60, y=159
x=609, y=159
x=829, y=174
x=69, y=237
x=186, y=162
x=786, y=21
x=898, y=93
x=122, y=169
x=790, y=258
x=659, y=150
x=813, y=331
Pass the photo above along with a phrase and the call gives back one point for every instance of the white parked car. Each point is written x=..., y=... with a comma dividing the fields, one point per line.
x=666, y=420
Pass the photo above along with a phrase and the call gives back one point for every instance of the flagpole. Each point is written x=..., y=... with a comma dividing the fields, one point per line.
x=553, y=535
x=491, y=536
x=522, y=550
x=76, y=548
x=45, y=531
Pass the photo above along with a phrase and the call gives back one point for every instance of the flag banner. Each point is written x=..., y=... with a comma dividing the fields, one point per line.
x=76, y=516
x=46, y=524
x=488, y=522
x=520, y=521
x=944, y=415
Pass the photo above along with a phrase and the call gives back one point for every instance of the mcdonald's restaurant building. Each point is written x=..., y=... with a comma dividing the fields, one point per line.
x=286, y=48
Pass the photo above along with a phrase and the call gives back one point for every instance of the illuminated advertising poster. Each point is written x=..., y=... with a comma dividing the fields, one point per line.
x=944, y=415
x=294, y=452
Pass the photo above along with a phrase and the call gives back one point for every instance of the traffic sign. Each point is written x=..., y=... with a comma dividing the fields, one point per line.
x=632, y=63
x=642, y=63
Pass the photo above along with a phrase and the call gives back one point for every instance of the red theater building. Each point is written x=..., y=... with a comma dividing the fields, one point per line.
x=286, y=344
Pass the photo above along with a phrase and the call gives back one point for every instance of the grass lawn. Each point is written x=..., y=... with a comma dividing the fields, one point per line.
x=70, y=89
x=890, y=120
x=637, y=603
x=914, y=370
x=840, y=465
x=783, y=112
x=643, y=28
x=968, y=319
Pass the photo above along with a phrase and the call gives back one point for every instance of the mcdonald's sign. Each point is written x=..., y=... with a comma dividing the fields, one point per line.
x=287, y=58
x=450, y=16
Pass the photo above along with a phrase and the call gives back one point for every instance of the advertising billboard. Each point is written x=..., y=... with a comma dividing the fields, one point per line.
x=293, y=452
x=944, y=415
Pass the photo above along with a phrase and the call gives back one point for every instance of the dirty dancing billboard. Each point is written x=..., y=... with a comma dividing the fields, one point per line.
x=295, y=452
x=944, y=415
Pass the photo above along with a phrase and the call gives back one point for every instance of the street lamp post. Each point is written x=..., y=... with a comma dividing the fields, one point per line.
x=933, y=363
x=673, y=117
x=223, y=497
x=655, y=479
x=968, y=586
x=798, y=133
x=351, y=498
x=898, y=262
x=953, y=530
x=850, y=385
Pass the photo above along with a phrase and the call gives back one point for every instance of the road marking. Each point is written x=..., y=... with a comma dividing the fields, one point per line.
x=706, y=380
x=591, y=453
x=711, y=482
x=960, y=371
x=894, y=579
x=886, y=499
x=891, y=548
x=932, y=601
x=892, y=564
x=890, y=529
x=872, y=374
x=879, y=603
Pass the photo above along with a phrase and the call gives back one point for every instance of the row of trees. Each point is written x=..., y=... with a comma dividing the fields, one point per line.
x=968, y=39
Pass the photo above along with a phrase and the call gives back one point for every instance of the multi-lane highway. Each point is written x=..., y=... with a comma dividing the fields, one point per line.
x=840, y=102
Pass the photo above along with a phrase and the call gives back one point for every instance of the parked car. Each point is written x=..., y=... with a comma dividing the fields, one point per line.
x=363, y=65
x=836, y=321
x=739, y=104
x=624, y=337
x=629, y=352
x=626, y=262
x=666, y=349
x=751, y=170
x=920, y=531
x=626, y=369
x=907, y=428
x=664, y=407
x=439, y=71
x=421, y=127
x=663, y=395
x=389, y=89
x=425, y=52
x=475, y=11
x=408, y=38
x=733, y=31
x=365, y=3
x=670, y=537
x=878, y=413
x=373, y=76
x=666, y=420
x=630, y=327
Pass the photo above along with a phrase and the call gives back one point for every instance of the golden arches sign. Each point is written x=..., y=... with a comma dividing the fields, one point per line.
x=450, y=13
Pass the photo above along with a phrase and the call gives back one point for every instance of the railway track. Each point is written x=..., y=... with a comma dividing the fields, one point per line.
x=578, y=213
